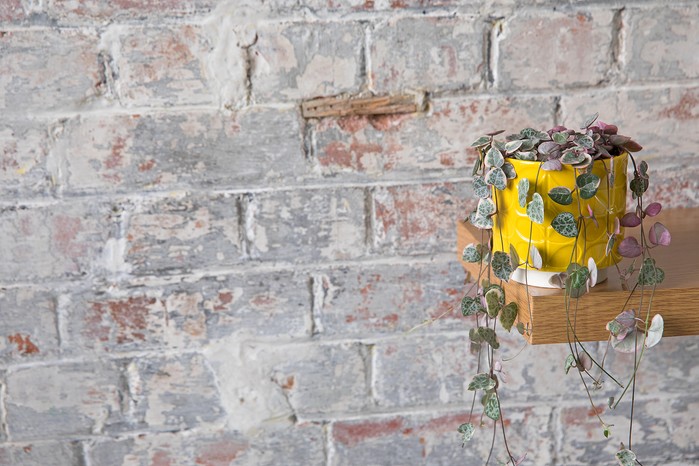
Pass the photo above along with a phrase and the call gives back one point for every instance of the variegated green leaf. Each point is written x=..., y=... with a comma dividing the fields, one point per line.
x=466, y=430
x=502, y=268
x=471, y=306
x=492, y=407
x=509, y=170
x=492, y=303
x=626, y=457
x=512, y=146
x=535, y=258
x=482, y=382
x=570, y=361
x=472, y=253
x=481, y=141
x=587, y=184
x=480, y=189
x=496, y=177
x=650, y=274
x=561, y=195
x=564, y=224
x=488, y=336
x=494, y=158
x=523, y=191
x=535, y=209
x=508, y=315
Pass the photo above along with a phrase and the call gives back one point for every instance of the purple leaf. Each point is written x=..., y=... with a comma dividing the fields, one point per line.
x=547, y=147
x=630, y=220
x=659, y=234
x=653, y=209
x=592, y=215
x=630, y=247
x=552, y=165
x=633, y=146
x=617, y=226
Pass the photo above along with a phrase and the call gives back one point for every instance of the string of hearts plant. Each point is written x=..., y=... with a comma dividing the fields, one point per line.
x=583, y=213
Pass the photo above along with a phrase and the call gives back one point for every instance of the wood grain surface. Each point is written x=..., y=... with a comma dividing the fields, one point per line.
x=677, y=298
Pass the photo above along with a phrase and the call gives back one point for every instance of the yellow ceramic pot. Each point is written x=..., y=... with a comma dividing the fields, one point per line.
x=512, y=226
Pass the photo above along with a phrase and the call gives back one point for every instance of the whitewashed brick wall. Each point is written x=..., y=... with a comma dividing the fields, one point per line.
x=193, y=274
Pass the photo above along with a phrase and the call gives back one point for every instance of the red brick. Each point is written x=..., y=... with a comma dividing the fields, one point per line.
x=28, y=324
x=419, y=218
x=41, y=454
x=12, y=11
x=578, y=49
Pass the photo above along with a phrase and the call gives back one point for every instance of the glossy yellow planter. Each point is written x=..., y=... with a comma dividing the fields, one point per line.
x=512, y=226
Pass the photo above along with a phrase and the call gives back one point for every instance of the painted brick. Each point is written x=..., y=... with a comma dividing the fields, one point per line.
x=175, y=393
x=419, y=218
x=304, y=225
x=187, y=313
x=167, y=66
x=578, y=45
x=420, y=371
x=90, y=11
x=47, y=69
x=662, y=121
x=104, y=321
x=183, y=233
x=72, y=399
x=12, y=11
x=319, y=380
x=55, y=241
x=434, y=145
x=293, y=61
x=661, y=43
x=125, y=152
x=427, y=53
x=24, y=165
x=664, y=431
x=41, y=454
x=433, y=439
x=389, y=299
x=28, y=324
x=299, y=444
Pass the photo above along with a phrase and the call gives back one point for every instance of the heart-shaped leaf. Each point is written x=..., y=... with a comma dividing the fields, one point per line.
x=523, y=191
x=492, y=303
x=480, y=189
x=525, y=155
x=476, y=167
x=629, y=247
x=638, y=186
x=547, y=147
x=584, y=361
x=535, y=209
x=482, y=381
x=496, y=177
x=572, y=156
x=564, y=224
x=587, y=184
x=561, y=195
x=650, y=274
x=471, y=306
x=535, y=258
x=585, y=141
x=472, y=253
x=484, y=223
x=488, y=335
x=577, y=276
x=626, y=458
x=655, y=331
x=486, y=207
x=630, y=220
x=481, y=141
x=466, y=430
x=659, y=235
x=653, y=209
x=492, y=407
x=560, y=137
x=502, y=268
x=494, y=158
x=512, y=146
x=509, y=170
x=508, y=315
x=552, y=165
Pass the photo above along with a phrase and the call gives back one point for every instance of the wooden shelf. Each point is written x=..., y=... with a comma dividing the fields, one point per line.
x=677, y=298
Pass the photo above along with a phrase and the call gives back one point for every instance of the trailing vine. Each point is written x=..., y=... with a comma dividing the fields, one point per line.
x=634, y=329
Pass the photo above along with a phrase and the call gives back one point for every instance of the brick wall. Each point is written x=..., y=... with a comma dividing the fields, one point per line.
x=192, y=273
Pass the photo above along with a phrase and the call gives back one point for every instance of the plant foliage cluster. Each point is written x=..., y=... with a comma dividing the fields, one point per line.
x=632, y=331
